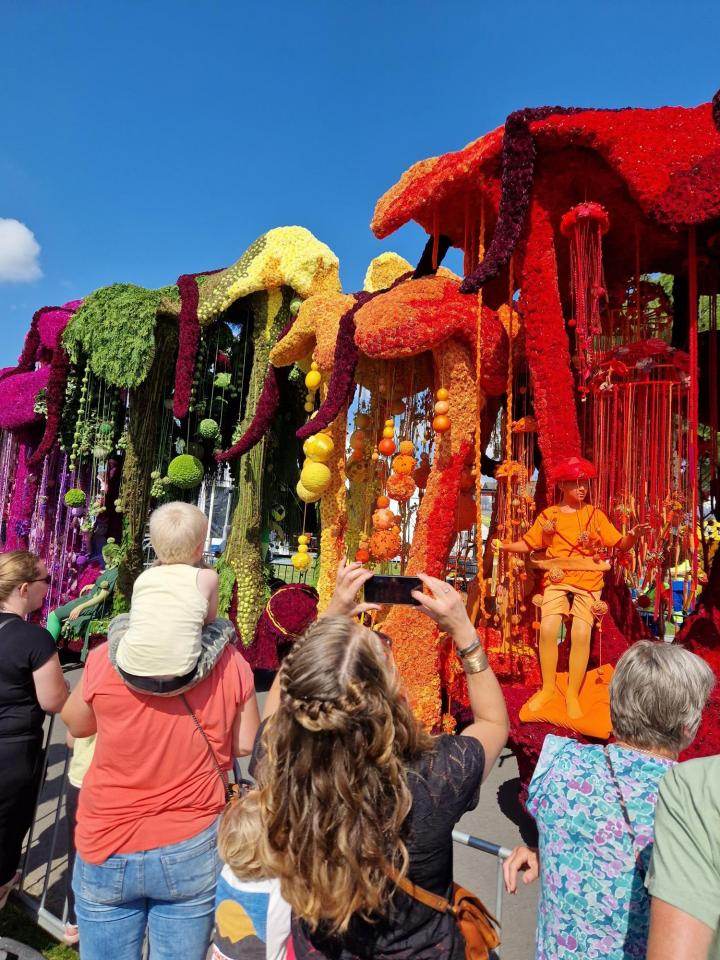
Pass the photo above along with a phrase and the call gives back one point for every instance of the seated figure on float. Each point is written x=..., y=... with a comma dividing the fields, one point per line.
x=73, y=619
x=572, y=534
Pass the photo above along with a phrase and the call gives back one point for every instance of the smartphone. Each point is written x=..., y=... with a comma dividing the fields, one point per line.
x=382, y=589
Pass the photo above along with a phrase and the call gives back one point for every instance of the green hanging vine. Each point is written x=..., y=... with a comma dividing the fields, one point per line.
x=244, y=551
x=144, y=428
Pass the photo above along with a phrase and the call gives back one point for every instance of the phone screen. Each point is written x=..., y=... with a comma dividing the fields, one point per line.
x=382, y=589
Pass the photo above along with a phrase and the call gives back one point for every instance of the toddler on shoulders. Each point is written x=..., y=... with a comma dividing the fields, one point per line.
x=160, y=645
x=252, y=921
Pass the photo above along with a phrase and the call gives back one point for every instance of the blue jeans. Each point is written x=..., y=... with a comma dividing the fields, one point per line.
x=170, y=891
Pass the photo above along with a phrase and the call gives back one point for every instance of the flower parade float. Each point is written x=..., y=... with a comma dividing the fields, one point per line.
x=602, y=228
x=123, y=400
x=417, y=423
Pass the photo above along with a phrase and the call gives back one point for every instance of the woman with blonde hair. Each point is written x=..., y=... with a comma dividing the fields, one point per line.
x=355, y=792
x=31, y=685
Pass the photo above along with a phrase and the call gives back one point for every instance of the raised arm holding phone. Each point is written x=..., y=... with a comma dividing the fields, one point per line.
x=359, y=796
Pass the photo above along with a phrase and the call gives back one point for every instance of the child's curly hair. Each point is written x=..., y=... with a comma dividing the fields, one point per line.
x=242, y=838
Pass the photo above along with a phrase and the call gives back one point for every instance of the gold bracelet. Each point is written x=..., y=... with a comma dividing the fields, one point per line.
x=476, y=663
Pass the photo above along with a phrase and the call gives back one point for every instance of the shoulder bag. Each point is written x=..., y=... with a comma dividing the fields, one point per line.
x=478, y=927
x=232, y=791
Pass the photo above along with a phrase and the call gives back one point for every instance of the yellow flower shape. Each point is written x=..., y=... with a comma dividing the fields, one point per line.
x=284, y=256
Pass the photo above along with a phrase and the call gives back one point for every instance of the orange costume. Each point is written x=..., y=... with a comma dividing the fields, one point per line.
x=573, y=536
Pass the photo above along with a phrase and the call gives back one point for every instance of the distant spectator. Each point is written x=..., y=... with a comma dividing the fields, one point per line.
x=31, y=685
x=595, y=805
x=684, y=875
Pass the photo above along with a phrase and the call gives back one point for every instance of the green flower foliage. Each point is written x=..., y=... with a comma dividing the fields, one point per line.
x=115, y=329
x=75, y=498
x=226, y=578
x=185, y=472
x=223, y=381
x=208, y=429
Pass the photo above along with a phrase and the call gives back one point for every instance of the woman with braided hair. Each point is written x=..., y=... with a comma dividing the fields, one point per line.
x=356, y=794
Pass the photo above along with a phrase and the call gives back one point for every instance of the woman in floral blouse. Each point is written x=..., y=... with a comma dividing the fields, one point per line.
x=594, y=807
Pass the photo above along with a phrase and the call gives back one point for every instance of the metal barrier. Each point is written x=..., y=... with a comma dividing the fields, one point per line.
x=42, y=887
x=43, y=871
x=502, y=853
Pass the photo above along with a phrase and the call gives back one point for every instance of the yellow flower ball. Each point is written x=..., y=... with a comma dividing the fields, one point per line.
x=303, y=538
x=315, y=477
x=318, y=448
x=305, y=495
x=388, y=433
x=301, y=561
x=313, y=379
x=303, y=548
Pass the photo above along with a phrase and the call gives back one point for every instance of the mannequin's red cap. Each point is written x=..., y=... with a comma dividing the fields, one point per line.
x=573, y=468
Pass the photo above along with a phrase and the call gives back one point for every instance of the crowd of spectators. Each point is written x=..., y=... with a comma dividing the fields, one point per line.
x=341, y=847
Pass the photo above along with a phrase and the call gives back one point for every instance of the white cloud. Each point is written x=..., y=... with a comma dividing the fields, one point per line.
x=19, y=253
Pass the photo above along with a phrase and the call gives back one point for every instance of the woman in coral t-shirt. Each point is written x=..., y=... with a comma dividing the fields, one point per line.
x=146, y=832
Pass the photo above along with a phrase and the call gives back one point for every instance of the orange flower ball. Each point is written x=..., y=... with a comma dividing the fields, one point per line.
x=385, y=544
x=362, y=555
x=386, y=447
x=442, y=394
x=400, y=487
x=442, y=406
x=404, y=464
x=357, y=440
x=441, y=423
x=383, y=519
x=362, y=421
x=407, y=448
x=382, y=502
x=356, y=456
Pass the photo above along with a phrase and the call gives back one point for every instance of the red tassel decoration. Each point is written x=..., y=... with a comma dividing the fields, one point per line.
x=585, y=225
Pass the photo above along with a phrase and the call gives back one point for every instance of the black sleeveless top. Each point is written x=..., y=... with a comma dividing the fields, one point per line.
x=445, y=784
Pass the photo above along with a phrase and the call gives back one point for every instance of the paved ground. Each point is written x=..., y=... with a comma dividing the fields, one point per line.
x=496, y=818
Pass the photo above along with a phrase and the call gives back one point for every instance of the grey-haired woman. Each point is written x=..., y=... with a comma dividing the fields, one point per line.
x=594, y=807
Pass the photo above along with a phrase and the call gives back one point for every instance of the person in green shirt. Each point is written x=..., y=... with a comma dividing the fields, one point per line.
x=684, y=874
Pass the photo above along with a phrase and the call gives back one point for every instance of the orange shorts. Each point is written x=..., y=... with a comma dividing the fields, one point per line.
x=570, y=601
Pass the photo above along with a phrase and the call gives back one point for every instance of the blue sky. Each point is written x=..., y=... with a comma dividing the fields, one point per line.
x=142, y=140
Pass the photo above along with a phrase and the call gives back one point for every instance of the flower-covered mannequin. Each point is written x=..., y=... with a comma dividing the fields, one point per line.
x=73, y=619
x=573, y=535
